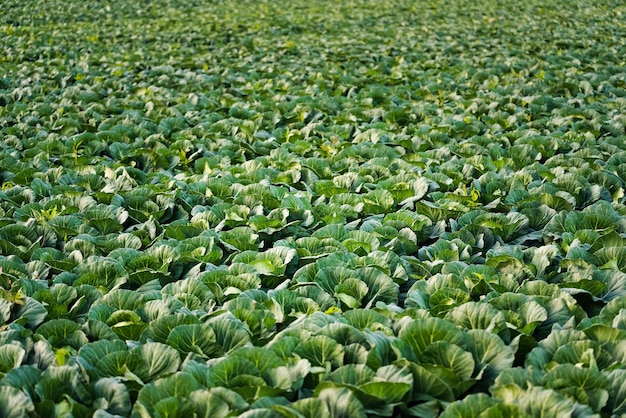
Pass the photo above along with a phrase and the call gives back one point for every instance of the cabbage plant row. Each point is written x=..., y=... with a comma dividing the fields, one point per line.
x=353, y=209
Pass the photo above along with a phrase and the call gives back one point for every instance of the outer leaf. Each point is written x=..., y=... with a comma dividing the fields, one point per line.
x=474, y=315
x=229, y=332
x=473, y=406
x=24, y=378
x=311, y=407
x=421, y=333
x=179, y=385
x=114, y=394
x=617, y=392
x=451, y=356
x=161, y=359
x=537, y=401
x=490, y=353
x=231, y=372
x=94, y=352
x=319, y=350
x=14, y=403
x=10, y=356
x=427, y=385
x=209, y=405
x=194, y=338
x=352, y=374
x=381, y=288
x=342, y=403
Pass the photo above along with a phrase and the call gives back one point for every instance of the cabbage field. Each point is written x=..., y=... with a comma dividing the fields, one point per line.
x=308, y=209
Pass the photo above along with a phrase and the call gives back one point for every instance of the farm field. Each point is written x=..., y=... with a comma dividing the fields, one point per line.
x=312, y=209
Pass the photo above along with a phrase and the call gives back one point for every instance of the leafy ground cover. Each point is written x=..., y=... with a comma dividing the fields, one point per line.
x=310, y=209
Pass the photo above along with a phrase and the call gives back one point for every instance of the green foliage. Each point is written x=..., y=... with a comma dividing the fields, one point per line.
x=296, y=209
